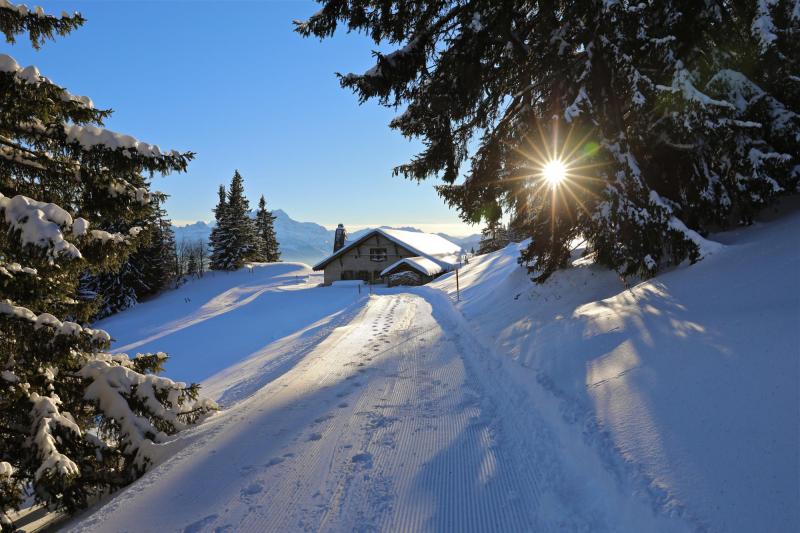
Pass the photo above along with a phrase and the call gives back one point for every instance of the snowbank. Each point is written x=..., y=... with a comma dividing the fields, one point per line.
x=685, y=385
x=212, y=323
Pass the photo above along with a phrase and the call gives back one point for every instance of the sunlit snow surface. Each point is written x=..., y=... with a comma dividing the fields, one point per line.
x=576, y=405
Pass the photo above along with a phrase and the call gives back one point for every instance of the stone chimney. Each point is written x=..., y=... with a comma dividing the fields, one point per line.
x=339, y=238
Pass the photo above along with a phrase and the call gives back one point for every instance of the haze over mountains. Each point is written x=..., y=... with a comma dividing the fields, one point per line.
x=306, y=242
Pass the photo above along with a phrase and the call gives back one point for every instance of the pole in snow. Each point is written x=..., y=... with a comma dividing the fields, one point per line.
x=458, y=290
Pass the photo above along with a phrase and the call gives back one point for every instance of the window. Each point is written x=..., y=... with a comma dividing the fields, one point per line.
x=348, y=275
x=377, y=254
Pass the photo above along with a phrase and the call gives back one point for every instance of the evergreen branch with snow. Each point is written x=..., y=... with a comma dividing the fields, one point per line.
x=75, y=206
x=692, y=103
x=19, y=18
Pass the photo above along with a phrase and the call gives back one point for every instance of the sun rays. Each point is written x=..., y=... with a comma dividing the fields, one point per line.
x=554, y=172
x=565, y=166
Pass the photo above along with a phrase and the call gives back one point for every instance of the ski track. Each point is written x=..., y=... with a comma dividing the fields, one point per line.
x=392, y=423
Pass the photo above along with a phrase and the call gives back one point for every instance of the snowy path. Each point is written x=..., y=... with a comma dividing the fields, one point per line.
x=392, y=423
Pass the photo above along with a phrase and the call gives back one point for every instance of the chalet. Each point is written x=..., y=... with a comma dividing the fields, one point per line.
x=381, y=253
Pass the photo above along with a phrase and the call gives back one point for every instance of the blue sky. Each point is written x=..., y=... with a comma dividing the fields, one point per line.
x=232, y=82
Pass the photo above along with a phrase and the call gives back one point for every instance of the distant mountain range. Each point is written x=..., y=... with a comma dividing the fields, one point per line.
x=306, y=242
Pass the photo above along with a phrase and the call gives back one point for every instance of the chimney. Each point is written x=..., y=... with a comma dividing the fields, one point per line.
x=339, y=238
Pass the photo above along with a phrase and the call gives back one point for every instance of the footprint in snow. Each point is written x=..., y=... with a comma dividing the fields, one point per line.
x=251, y=489
x=274, y=461
x=315, y=436
x=343, y=405
x=364, y=459
x=195, y=527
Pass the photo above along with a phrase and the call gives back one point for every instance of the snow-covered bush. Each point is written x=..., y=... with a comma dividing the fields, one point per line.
x=74, y=419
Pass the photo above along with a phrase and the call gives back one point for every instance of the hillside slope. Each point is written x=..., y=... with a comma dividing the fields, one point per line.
x=686, y=384
x=223, y=318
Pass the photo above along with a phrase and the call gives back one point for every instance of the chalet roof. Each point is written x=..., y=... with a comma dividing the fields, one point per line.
x=425, y=245
x=423, y=265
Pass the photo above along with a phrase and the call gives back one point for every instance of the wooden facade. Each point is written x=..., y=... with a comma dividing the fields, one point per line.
x=365, y=259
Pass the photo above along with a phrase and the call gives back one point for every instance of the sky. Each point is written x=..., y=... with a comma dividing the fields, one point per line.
x=232, y=82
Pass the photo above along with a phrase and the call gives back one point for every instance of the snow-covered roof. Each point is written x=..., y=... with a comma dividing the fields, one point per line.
x=425, y=245
x=422, y=265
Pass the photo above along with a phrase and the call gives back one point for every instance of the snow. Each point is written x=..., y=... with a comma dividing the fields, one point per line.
x=9, y=269
x=390, y=59
x=31, y=74
x=763, y=27
x=687, y=382
x=476, y=24
x=422, y=265
x=428, y=245
x=80, y=227
x=348, y=283
x=111, y=385
x=205, y=326
x=683, y=82
x=48, y=419
x=39, y=224
x=580, y=404
x=23, y=10
x=92, y=136
x=99, y=337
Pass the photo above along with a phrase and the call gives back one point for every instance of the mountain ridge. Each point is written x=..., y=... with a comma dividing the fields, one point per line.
x=305, y=242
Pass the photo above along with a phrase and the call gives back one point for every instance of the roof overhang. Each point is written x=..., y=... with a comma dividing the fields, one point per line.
x=377, y=231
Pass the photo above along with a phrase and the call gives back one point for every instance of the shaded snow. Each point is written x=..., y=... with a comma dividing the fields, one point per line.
x=686, y=383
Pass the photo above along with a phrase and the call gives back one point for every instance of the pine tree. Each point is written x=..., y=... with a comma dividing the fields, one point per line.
x=157, y=260
x=148, y=269
x=673, y=118
x=218, y=237
x=267, y=246
x=233, y=241
x=493, y=237
x=191, y=268
x=74, y=419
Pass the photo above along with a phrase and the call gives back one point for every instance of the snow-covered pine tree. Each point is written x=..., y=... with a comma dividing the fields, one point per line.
x=157, y=260
x=267, y=246
x=74, y=419
x=493, y=237
x=218, y=233
x=233, y=241
x=147, y=270
x=673, y=118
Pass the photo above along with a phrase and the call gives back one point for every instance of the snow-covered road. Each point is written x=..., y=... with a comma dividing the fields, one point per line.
x=391, y=423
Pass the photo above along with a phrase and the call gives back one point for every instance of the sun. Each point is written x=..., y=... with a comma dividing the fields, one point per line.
x=555, y=172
